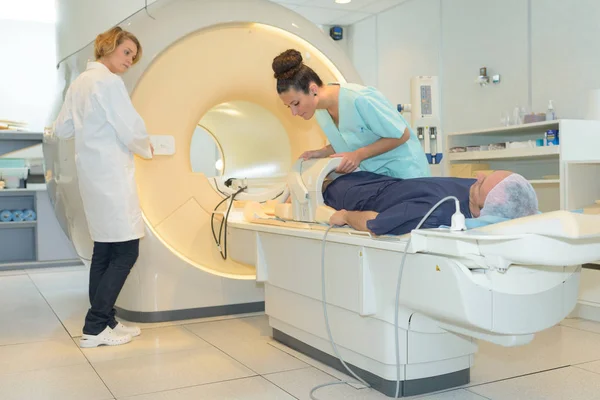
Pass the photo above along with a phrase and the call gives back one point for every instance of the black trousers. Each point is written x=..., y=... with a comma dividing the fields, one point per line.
x=111, y=263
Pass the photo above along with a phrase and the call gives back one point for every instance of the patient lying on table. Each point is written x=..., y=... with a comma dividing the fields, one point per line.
x=385, y=205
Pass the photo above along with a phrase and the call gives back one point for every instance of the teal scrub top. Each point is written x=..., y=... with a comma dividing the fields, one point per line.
x=366, y=116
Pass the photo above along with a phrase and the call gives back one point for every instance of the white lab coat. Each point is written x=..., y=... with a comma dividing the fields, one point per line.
x=98, y=113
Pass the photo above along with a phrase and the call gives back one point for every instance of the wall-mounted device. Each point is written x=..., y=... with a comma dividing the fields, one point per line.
x=483, y=79
x=425, y=113
x=336, y=32
x=402, y=108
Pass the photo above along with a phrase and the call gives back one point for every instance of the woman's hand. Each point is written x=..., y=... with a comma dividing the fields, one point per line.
x=338, y=218
x=321, y=153
x=307, y=155
x=350, y=161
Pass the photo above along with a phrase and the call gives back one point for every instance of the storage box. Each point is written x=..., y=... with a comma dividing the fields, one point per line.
x=467, y=170
x=593, y=208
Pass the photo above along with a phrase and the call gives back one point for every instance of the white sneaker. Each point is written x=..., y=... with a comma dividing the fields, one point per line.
x=107, y=337
x=124, y=330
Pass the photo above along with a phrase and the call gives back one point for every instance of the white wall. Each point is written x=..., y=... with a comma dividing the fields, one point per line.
x=474, y=36
x=411, y=48
x=27, y=71
x=543, y=49
x=565, y=54
x=362, y=38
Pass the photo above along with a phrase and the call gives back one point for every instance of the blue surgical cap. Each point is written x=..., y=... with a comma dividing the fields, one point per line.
x=513, y=197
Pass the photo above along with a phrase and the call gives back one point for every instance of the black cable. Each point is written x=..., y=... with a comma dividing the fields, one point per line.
x=212, y=220
x=146, y=7
x=217, y=187
x=224, y=222
x=223, y=251
x=212, y=226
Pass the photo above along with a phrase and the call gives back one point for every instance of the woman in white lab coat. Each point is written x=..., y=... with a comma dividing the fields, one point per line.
x=98, y=114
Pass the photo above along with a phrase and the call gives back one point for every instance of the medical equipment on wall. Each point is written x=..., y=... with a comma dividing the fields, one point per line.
x=425, y=116
x=404, y=108
x=336, y=32
x=164, y=145
x=483, y=79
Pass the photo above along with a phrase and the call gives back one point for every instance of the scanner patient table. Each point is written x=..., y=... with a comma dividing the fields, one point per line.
x=501, y=283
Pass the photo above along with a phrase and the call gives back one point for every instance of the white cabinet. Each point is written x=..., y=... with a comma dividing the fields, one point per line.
x=562, y=175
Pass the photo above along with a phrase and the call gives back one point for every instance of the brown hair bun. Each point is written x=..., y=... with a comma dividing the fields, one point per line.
x=287, y=64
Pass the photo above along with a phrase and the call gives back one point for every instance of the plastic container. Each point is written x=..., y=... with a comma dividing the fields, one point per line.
x=552, y=137
x=17, y=215
x=533, y=118
x=29, y=215
x=550, y=114
x=12, y=182
x=497, y=146
x=5, y=216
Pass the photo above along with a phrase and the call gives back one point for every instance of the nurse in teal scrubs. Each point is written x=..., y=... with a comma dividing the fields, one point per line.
x=362, y=126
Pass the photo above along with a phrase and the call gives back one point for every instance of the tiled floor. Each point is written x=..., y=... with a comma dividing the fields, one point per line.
x=41, y=313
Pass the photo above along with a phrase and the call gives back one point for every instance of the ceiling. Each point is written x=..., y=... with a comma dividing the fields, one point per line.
x=328, y=12
x=320, y=12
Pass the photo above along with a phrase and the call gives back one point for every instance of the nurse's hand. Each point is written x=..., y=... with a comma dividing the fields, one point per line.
x=307, y=155
x=350, y=161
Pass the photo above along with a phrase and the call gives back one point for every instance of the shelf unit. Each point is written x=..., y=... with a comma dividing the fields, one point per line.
x=507, y=154
x=512, y=129
x=544, y=181
x=18, y=240
x=11, y=140
x=573, y=160
x=20, y=135
x=30, y=244
x=22, y=224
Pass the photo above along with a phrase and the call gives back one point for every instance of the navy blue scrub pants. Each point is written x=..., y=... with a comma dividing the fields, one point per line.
x=111, y=263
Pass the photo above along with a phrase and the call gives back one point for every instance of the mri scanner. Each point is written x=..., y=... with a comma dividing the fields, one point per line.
x=206, y=70
x=208, y=64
